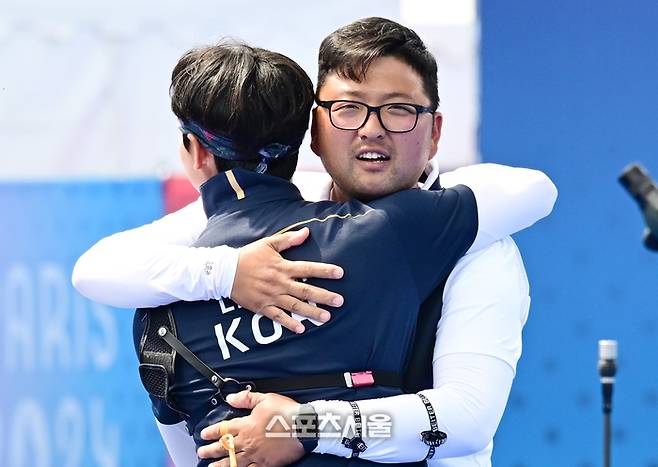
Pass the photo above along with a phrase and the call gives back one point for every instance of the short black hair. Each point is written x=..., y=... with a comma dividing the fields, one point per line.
x=349, y=50
x=251, y=95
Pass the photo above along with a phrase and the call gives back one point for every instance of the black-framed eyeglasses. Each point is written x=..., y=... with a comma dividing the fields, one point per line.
x=396, y=117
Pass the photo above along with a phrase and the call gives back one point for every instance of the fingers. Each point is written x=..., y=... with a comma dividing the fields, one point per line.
x=309, y=269
x=294, y=306
x=311, y=293
x=289, y=239
x=284, y=319
x=263, y=277
x=305, y=269
x=242, y=458
x=218, y=449
x=212, y=450
x=218, y=430
x=244, y=400
x=304, y=309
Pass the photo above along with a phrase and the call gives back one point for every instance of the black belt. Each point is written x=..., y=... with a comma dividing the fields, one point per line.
x=330, y=380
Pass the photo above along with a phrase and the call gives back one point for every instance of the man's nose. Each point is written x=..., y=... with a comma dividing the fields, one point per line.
x=372, y=128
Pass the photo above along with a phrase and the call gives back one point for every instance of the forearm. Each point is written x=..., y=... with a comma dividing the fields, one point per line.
x=154, y=264
x=469, y=398
x=126, y=273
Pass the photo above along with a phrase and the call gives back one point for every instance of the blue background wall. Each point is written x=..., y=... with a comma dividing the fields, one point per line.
x=69, y=390
x=571, y=87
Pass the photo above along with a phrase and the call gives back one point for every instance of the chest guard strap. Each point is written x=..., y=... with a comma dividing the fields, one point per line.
x=222, y=384
x=159, y=347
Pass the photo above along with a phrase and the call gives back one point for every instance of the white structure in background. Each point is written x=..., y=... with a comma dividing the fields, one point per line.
x=451, y=29
x=84, y=86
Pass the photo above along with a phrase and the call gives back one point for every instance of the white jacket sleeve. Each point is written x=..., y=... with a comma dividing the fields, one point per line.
x=478, y=345
x=154, y=265
x=179, y=443
x=509, y=199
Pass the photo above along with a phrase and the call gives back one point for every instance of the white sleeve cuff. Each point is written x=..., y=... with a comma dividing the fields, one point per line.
x=333, y=416
x=223, y=264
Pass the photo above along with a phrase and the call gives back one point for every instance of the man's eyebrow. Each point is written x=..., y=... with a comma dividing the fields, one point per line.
x=384, y=97
x=396, y=95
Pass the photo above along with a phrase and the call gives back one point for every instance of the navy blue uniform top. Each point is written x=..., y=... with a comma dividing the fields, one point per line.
x=419, y=374
x=394, y=250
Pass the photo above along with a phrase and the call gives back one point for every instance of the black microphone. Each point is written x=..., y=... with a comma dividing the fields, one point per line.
x=607, y=371
x=643, y=189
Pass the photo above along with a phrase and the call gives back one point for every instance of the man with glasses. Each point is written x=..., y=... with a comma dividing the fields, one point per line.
x=372, y=157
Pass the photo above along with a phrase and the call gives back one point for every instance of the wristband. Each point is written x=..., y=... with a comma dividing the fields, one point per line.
x=306, y=427
x=432, y=437
x=356, y=444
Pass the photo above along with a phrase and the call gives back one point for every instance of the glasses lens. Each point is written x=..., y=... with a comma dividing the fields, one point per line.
x=348, y=115
x=399, y=117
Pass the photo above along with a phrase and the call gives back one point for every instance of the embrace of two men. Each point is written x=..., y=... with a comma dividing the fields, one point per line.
x=424, y=328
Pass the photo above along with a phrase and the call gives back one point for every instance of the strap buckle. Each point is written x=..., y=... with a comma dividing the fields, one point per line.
x=359, y=379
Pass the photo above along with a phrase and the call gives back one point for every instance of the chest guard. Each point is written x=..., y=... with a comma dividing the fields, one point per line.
x=158, y=349
x=156, y=356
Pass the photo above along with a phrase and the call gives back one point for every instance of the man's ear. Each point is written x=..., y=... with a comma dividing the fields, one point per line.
x=436, y=133
x=314, y=133
x=203, y=161
x=201, y=157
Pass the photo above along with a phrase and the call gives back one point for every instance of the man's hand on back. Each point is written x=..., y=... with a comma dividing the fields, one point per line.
x=268, y=284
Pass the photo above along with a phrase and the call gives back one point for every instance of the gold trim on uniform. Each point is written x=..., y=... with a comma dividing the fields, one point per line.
x=324, y=219
x=239, y=192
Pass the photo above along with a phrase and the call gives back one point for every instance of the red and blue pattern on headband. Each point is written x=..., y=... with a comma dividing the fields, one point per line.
x=225, y=148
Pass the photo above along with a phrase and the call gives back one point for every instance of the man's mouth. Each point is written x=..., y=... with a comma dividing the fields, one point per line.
x=373, y=157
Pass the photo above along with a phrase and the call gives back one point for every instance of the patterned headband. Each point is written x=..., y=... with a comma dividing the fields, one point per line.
x=225, y=148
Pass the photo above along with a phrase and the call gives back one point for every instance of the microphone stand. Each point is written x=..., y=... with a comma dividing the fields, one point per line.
x=607, y=371
x=606, y=437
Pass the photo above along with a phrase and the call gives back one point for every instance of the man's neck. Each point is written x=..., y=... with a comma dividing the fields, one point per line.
x=334, y=194
x=338, y=195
